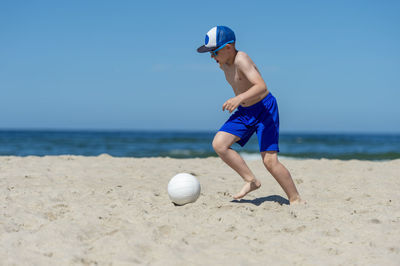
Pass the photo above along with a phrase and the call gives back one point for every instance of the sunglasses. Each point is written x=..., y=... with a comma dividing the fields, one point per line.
x=215, y=52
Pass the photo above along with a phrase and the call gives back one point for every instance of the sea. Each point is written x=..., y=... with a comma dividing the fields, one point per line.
x=193, y=144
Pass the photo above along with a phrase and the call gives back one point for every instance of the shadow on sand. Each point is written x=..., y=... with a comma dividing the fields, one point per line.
x=259, y=201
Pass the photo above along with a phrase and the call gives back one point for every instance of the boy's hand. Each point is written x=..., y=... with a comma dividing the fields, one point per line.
x=232, y=104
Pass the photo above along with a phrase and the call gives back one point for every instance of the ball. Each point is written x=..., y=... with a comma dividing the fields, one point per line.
x=183, y=188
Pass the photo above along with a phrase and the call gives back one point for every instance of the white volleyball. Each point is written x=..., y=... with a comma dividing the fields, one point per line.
x=183, y=188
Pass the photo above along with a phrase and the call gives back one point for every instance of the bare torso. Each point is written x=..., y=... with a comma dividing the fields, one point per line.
x=239, y=82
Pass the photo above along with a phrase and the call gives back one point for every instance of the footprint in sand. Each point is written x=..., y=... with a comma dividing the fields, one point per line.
x=298, y=181
x=162, y=231
x=375, y=221
x=225, y=194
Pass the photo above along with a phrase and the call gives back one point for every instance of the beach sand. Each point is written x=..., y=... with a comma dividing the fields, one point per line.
x=75, y=210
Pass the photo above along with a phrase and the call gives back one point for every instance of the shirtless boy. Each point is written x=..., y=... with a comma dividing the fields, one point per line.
x=257, y=111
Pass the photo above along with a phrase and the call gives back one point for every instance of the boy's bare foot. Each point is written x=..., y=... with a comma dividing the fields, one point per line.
x=297, y=206
x=248, y=187
x=296, y=201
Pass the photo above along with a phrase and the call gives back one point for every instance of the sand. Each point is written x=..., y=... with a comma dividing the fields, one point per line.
x=75, y=210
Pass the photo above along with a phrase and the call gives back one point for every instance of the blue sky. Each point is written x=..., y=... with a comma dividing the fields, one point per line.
x=334, y=66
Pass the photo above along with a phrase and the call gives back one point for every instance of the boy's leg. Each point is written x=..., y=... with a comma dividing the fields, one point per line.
x=281, y=174
x=222, y=145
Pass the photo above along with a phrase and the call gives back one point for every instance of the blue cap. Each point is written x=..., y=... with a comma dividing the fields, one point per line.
x=217, y=37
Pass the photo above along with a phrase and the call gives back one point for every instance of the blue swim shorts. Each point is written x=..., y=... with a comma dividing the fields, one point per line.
x=262, y=118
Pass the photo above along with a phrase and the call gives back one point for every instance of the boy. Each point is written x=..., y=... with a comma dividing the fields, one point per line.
x=257, y=112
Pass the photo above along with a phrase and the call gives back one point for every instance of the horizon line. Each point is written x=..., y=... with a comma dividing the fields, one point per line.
x=180, y=130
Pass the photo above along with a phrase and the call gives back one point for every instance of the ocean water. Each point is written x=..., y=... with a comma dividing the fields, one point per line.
x=193, y=144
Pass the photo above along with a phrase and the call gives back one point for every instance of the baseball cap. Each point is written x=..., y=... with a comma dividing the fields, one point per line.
x=216, y=37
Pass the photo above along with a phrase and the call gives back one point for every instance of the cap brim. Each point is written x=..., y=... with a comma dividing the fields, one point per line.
x=204, y=49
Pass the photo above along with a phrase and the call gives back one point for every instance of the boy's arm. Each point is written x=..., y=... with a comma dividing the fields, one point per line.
x=249, y=70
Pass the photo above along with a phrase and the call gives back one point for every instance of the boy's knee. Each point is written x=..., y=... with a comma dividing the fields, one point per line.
x=219, y=146
x=270, y=162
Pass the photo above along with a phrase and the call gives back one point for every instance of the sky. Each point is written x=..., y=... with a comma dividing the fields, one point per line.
x=334, y=66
